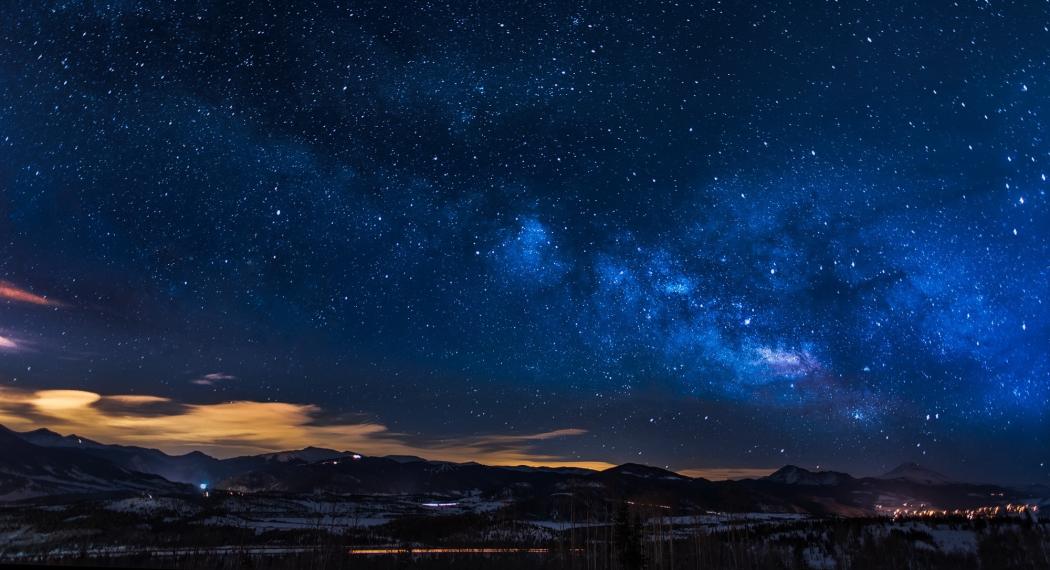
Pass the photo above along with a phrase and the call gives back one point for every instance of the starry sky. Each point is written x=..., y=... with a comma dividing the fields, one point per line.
x=713, y=236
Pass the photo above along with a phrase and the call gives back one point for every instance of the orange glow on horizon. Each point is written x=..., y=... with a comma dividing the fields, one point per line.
x=229, y=429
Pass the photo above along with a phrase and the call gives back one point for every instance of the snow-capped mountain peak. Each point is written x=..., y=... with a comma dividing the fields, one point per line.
x=916, y=473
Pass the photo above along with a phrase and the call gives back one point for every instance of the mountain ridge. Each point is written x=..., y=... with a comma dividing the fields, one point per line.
x=794, y=475
x=914, y=472
x=28, y=470
x=323, y=471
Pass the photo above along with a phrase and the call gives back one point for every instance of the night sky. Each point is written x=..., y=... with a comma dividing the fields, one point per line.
x=709, y=236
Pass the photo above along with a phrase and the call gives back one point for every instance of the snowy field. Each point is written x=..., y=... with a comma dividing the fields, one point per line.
x=275, y=526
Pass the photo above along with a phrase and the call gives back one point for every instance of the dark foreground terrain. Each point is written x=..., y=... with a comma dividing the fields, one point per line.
x=229, y=530
x=70, y=501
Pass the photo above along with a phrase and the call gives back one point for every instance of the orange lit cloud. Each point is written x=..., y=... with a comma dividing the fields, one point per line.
x=247, y=427
x=12, y=292
x=136, y=399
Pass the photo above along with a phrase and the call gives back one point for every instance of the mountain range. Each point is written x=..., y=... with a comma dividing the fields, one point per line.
x=29, y=470
x=44, y=463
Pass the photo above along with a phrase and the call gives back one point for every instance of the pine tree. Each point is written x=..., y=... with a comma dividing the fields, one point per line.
x=627, y=537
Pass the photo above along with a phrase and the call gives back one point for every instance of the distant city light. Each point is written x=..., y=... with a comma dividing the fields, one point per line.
x=993, y=511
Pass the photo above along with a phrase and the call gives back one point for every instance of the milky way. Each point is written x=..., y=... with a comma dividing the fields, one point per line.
x=696, y=235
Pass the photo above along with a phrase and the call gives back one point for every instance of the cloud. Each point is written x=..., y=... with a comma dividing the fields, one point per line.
x=510, y=449
x=212, y=379
x=138, y=405
x=138, y=400
x=8, y=343
x=538, y=436
x=12, y=292
x=246, y=427
x=59, y=401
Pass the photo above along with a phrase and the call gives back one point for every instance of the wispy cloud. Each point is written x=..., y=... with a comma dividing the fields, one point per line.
x=243, y=427
x=11, y=343
x=12, y=292
x=212, y=379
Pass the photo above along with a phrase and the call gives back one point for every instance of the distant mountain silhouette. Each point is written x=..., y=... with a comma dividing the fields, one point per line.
x=307, y=454
x=193, y=468
x=28, y=470
x=792, y=475
x=917, y=474
x=42, y=462
x=643, y=471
